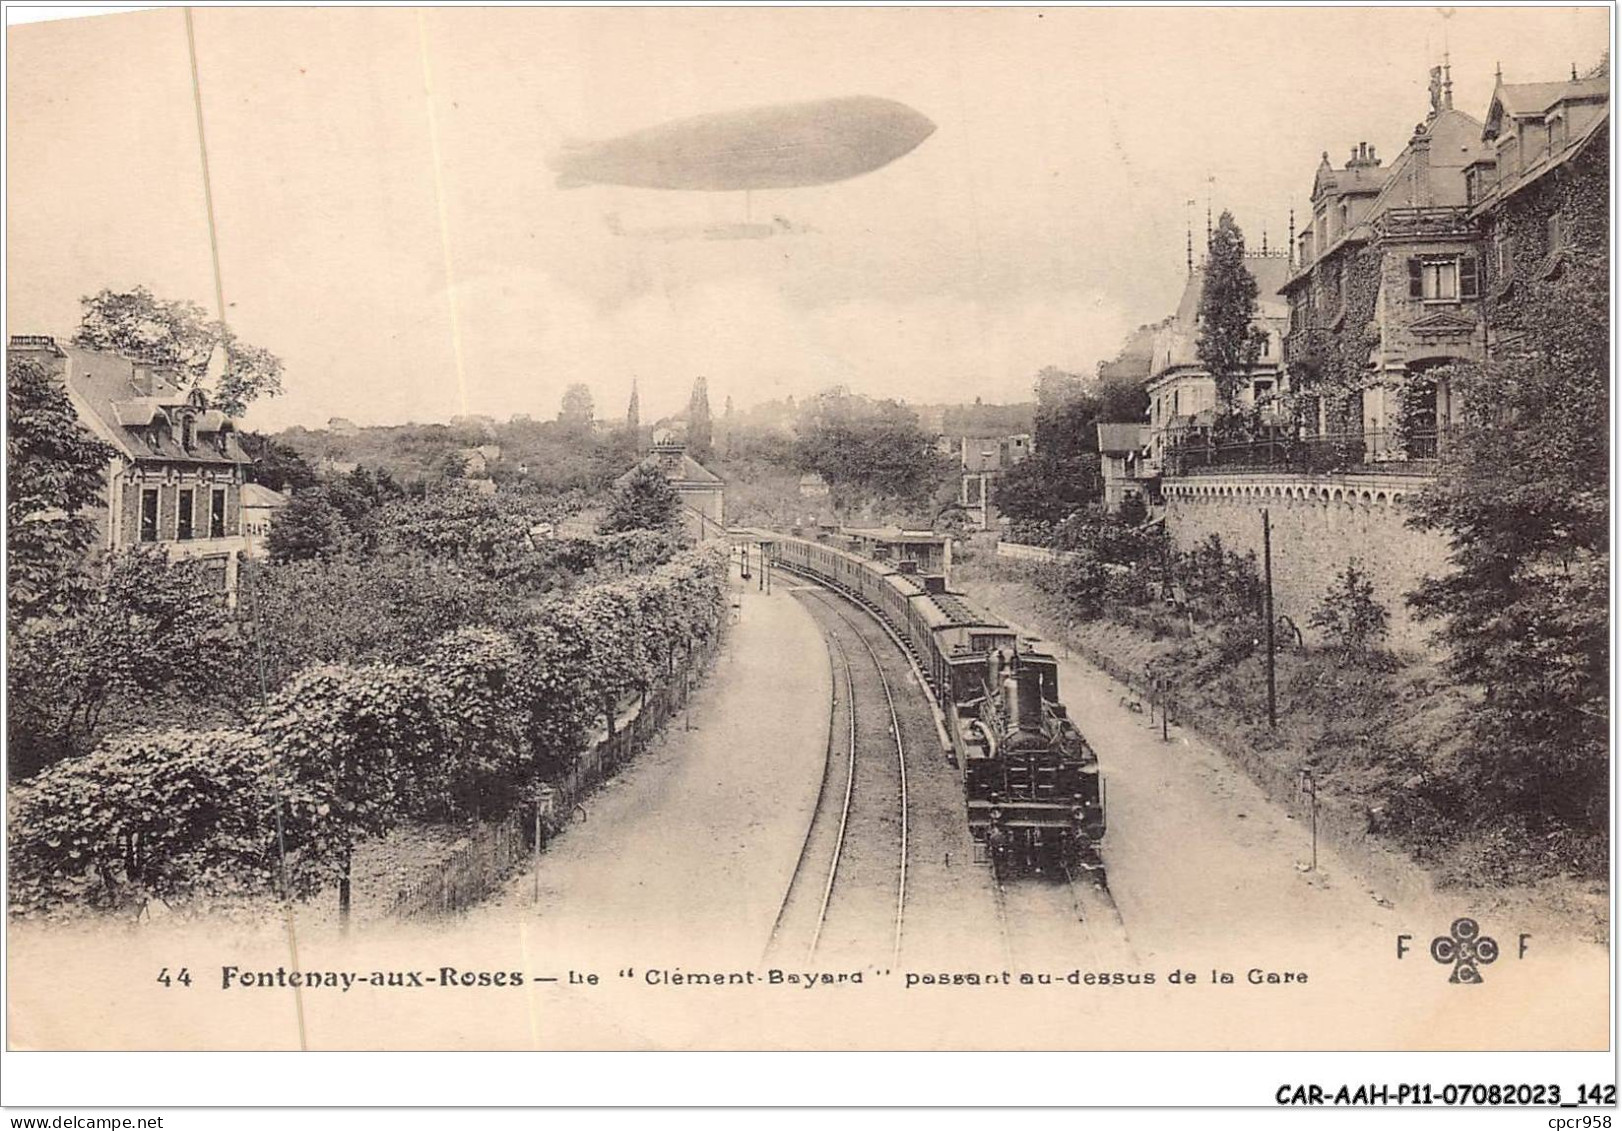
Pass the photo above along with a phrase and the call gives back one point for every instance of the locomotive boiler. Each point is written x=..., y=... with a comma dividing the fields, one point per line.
x=1030, y=780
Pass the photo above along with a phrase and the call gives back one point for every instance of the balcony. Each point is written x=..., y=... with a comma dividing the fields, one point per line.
x=1371, y=452
x=1435, y=223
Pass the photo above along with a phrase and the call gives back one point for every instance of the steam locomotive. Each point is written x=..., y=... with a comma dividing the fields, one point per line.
x=1031, y=783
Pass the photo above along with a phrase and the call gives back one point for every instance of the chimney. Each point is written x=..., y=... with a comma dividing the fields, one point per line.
x=141, y=378
x=1419, y=174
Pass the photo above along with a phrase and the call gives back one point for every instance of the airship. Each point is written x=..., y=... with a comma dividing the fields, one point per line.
x=767, y=147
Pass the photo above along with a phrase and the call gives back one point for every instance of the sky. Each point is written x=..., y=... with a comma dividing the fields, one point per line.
x=387, y=224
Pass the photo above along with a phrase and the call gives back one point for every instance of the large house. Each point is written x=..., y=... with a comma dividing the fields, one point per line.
x=177, y=476
x=982, y=461
x=1182, y=394
x=1388, y=289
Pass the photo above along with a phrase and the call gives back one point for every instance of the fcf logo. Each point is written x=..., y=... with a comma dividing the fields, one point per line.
x=1464, y=948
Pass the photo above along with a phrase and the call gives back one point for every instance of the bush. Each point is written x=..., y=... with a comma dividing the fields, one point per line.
x=1349, y=615
x=151, y=815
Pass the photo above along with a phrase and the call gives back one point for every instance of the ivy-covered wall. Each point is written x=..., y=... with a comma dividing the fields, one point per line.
x=1335, y=336
x=1579, y=193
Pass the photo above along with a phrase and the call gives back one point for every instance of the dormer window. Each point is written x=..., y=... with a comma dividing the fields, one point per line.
x=188, y=431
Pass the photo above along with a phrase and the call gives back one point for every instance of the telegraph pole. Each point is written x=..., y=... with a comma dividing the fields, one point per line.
x=1267, y=577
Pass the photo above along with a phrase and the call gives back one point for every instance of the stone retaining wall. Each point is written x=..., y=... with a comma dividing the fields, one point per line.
x=1319, y=523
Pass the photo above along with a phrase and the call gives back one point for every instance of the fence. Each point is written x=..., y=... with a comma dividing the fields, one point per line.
x=1373, y=451
x=472, y=873
x=1019, y=552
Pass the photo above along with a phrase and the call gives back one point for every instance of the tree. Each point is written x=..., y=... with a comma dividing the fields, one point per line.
x=1229, y=344
x=153, y=644
x=1523, y=498
x=138, y=324
x=645, y=501
x=55, y=471
x=867, y=450
x=357, y=745
x=353, y=610
x=277, y=465
x=577, y=413
x=309, y=526
x=1349, y=615
x=700, y=428
x=633, y=412
x=1063, y=475
x=472, y=673
x=150, y=815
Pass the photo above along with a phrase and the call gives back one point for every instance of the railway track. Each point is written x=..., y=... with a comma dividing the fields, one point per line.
x=855, y=852
x=1059, y=916
x=1063, y=915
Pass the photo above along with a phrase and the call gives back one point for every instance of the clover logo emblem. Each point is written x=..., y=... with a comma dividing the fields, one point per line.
x=1467, y=949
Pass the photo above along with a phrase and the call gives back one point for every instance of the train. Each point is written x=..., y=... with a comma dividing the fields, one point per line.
x=1032, y=789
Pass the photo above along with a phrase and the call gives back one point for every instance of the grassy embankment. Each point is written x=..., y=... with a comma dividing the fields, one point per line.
x=1373, y=734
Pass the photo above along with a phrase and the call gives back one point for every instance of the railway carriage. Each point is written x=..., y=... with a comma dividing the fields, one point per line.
x=1031, y=784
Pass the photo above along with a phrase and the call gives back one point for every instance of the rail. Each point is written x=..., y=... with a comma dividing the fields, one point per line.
x=1377, y=451
x=901, y=763
x=844, y=809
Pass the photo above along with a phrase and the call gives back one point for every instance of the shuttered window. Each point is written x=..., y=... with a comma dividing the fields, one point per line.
x=1444, y=280
x=1469, y=278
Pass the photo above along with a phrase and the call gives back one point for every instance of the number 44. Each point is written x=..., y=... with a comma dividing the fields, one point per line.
x=183, y=977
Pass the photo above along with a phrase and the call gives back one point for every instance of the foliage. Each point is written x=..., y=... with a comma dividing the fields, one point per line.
x=1133, y=510
x=494, y=534
x=155, y=640
x=348, y=610
x=1228, y=344
x=277, y=465
x=358, y=746
x=1349, y=615
x=1221, y=585
x=55, y=471
x=138, y=324
x=463, y=724
x=645, y=501
x=472, y=673
x=867, y=450
x=149, y=815
x=577, y=412
x=1063, y=475
x=700, y=427
x=1523, y=497
x=308, y=527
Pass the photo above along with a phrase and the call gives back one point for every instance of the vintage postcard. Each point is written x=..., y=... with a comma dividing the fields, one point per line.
x=811, y=529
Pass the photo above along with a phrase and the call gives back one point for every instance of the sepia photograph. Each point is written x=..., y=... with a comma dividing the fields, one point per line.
x=930, y=529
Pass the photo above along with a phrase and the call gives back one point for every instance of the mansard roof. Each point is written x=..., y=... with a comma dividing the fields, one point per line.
x=140, y=409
